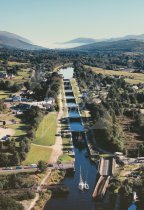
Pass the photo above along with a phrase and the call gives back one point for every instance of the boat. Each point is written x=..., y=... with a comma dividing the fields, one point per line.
x=81, y=183
x=135, y=197
x=86, y=186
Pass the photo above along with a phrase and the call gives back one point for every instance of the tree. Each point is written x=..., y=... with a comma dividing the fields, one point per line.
x=27, y=145
x=22, y=156
x=4, y=159
x=11, y=145
x=22, y=146
x=16, y=158
x=7, y=203
x=42, y=165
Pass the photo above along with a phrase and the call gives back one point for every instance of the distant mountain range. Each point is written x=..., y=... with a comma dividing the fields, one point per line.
x=10, y=40
x=83, y=41
x=129, y=45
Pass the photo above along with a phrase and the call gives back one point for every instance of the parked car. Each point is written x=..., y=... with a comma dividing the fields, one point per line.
x=19, y=167
x=5, y=138
x=33, y=165
x=8, y=168
x=50, y=165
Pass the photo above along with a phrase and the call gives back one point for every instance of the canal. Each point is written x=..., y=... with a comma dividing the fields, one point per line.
x=76, y=199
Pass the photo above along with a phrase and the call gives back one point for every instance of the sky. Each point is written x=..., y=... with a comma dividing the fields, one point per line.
x=45, y=22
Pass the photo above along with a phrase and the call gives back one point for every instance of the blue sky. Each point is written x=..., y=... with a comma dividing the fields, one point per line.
x=48, y=21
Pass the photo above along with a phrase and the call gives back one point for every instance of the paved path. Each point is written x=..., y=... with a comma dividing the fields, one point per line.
x=56, y=152
x=37, y=194
x=58, y=146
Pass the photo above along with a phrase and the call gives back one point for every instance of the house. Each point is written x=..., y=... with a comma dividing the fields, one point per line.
x=3, y=75
x=10, y=76
x=135, y=87
x=50, y=100
x=16, y=98
x=97, y=100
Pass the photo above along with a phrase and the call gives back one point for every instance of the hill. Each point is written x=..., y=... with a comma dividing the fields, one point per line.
x=83, y=41
x=113, y=46
x=10, y=40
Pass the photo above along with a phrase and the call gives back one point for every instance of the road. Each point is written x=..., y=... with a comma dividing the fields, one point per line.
x=14, y=170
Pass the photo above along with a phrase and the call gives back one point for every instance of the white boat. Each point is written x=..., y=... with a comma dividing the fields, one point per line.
x=86, y=186
x=135, y=197
x=81, y=183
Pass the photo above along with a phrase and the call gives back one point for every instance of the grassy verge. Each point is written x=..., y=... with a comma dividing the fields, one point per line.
x=75, y=90
x=65, y=158
x=37, y=153
x=45, y=134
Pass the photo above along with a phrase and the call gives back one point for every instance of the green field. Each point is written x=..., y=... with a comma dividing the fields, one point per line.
x=37, y=153
x=14, y=63
x=20, y=129
x=23, y=75
x=4, y=94
x=45, y=134
x=132, y=78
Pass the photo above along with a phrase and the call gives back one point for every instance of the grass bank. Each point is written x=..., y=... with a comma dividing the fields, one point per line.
x=45, y=134
x=37, y=153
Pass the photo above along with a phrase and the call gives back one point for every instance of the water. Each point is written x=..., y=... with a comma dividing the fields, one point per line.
x=76, y=199
x=76, y=126
x=71, y=104
x=68, y=72
x=73, y=114
x=132, y=207
x=70, y=97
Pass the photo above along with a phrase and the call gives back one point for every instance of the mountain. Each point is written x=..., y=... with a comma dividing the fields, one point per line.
x=83, y=41
x=128, y=37
x=14, y=36
x=113, y=46
x=10, y=40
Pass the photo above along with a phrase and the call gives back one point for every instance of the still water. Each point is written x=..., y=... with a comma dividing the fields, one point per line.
x=76, y=199
x=132, y=207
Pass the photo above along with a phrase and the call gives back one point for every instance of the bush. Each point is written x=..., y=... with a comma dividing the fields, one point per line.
x=25, y=196
x=7, y=203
